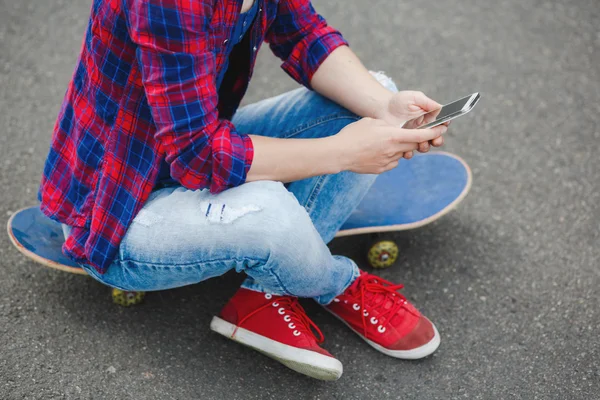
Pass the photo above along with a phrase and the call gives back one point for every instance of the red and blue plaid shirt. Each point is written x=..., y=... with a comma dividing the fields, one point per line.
x=144, y=91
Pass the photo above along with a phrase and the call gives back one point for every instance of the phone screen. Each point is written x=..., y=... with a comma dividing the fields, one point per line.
x=438, y=115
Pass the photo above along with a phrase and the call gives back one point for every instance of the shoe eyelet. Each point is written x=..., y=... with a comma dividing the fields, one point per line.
x=356, y=306
x=291, y=325
x=275, y=304
x=374, y=320
x=287, y=318
x=380, y=329
x=365, y=313
x=296, y=333
x=281, y=311
x=268, y=296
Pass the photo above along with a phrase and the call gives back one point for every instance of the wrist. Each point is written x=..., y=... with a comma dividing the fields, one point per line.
x=335, y=154
x=382, y=103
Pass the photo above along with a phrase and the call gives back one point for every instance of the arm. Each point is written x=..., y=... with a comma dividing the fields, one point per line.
x=178, y=70
x=344, y=79
x=289, y=160
x=369, y=146
x=317, y=56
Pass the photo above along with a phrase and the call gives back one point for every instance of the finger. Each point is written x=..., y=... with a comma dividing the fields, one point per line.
x=424, y=102
x=418, y=135
x=414, y=123
x=402, y=154
x=424, y=147
x=437, y=142
x=402, y=148
x=390, y=166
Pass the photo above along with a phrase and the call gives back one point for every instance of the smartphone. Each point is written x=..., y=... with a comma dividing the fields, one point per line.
x=444, y=114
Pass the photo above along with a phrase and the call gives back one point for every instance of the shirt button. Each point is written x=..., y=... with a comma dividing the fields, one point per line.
x=245, y=23
x=254, y=48
x=225, y=41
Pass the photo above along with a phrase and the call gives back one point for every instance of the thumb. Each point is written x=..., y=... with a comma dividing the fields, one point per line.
x=421, y=101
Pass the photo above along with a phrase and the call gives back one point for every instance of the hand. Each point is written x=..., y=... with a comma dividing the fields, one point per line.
x=373, y=146
x=406, y=105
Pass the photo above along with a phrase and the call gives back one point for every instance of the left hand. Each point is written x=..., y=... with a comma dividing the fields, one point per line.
x=406, y=105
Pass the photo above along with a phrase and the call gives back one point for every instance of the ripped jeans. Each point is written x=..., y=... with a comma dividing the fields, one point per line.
x=273, y=233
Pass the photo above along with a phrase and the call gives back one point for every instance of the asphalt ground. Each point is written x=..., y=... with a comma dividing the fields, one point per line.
x=511, y=278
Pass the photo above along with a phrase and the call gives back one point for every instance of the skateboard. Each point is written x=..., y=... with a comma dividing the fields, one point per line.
x=41, y=238
x=416, y=193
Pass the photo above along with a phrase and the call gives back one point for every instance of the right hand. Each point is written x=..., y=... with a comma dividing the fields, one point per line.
x=372, y=146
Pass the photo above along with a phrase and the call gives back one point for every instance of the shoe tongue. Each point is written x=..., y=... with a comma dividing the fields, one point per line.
x=376, y=299
x=384, y=301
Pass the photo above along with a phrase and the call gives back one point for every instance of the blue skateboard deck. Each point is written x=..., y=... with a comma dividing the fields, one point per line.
x=41, y=239
x=416, y=193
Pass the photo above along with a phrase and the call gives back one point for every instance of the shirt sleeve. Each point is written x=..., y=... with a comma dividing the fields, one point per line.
x=178, y=74
x=302, y=39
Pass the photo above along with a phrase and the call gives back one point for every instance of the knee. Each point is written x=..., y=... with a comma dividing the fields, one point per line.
x=278, y=209
x=285, y=224
x=385, y=80
x=285, y=215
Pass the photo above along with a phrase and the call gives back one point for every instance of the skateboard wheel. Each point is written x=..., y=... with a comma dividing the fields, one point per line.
x=382, y=254
x=125, y=298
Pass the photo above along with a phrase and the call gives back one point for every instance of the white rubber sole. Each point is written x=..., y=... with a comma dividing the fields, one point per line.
x=414, y=354
x=306, y=362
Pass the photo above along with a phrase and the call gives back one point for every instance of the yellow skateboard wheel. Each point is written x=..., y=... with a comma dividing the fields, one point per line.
x=382, y=254
x=127, y=299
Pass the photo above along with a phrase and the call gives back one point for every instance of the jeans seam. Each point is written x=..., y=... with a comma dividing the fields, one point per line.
x=316, y=122
x=314, y=193
x=283, y=287
x=188, y=264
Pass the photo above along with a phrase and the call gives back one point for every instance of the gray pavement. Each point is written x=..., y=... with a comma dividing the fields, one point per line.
x=511, y=278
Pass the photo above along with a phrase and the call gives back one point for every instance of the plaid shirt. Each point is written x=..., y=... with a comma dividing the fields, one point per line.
x=144, y=90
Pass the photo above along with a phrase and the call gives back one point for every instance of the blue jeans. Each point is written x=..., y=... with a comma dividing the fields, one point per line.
x=275, y=234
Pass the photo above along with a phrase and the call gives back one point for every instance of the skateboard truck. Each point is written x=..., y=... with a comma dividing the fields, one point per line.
x=416, y=193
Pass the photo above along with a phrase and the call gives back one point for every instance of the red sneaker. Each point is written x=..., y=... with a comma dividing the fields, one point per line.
x=374, y=309
x=278, y=327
